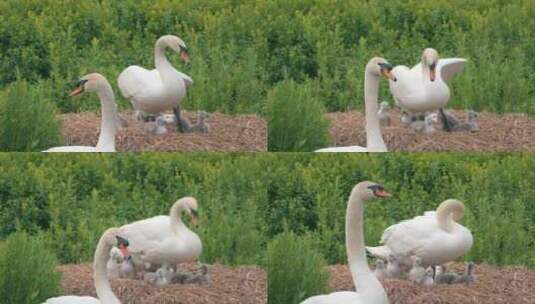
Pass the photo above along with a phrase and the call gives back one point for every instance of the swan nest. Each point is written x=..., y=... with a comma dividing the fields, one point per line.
x=226, y=285
x=492, y=285
x=227, y=134
x=504, y=133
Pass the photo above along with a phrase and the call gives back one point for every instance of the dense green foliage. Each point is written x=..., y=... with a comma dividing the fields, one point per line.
x=240, y=49
x=27, y=119
x=72, y=199
x=296, y=121
x=28, y=271
x=295, y=270
x=246, y=200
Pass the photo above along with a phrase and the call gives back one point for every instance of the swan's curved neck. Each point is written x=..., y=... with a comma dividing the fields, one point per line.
x=175, y=216
x=161, y=62
x=448, y=212
x=109, y=119
x=374, y=136
x=102, y=284
x=363, y=278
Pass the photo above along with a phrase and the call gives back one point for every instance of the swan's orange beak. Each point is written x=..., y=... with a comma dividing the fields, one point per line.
x=388, y=74
x=124, y=251
x=184, y=56
x=382, y=193
x=79, y=90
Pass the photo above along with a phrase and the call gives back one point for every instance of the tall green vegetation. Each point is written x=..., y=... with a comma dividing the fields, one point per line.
x=240, y=49
x=295, y=269
x=27, y=119
x=296, y=120
x=28, y=271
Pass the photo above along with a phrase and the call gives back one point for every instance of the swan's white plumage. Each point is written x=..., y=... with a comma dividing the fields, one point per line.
x=160, y=89
x=73, y=300
x=374, y=138
x=164, y=239
x=368, y=288
x=424, y=237
x=414, y=92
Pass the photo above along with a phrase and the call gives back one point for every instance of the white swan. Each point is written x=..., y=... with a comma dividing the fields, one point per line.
x=165, y=240
x=374, y=139
x=423, y=88
x=435, y=237
x=155, y=91
x=105, y=294
x=369, y=289
x=110, y=120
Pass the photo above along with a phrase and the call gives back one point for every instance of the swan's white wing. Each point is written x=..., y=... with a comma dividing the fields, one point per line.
x=73, y=149
x=447, y=67
x=343, y=297
x=343, y=149
x=187, y=80
x=72, y=300
x=146, y=234
x=139, y=83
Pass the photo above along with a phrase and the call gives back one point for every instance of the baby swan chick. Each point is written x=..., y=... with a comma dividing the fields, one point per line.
x=393, y=269
x=445, y=277
x=428, y=280
x=467, y=277
x=425, y=126
x=380, y=269
x=383, y=114
x=417, y=272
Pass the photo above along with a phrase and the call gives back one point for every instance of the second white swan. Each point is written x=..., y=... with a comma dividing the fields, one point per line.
x=369, y=289
x=374, y=138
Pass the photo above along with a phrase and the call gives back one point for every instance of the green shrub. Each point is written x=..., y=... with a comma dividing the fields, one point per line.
x=28, y=272
x=27, y=120
x=296, y=120
x=295, y=270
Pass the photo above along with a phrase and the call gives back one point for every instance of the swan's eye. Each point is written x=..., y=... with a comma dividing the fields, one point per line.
x=122, y=241
x=194, y=213
x=433, y=66
x=386, y=66
x=80, y=82
x=183, y=49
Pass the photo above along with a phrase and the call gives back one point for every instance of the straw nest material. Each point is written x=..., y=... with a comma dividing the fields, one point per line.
x=227, y=134
x=493, y=285
x=503, y=133
x=226, y=285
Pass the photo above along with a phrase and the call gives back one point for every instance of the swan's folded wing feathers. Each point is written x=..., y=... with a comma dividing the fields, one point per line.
x=136, y=80
x=72, y=299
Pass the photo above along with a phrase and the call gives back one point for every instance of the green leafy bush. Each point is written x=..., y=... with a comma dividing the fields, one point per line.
x=27, y=119
x=242, y=49
x=28, y=272
x=296, y=120
x=295, y=269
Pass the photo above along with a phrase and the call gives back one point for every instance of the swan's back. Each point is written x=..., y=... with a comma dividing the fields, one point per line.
x=72, y=300
x=136, y=83
x=74, y=149
x=343, y=149
x=342, y=297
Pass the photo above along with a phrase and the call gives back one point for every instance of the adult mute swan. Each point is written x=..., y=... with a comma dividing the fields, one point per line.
x=165, y=240
x=374, y=139
x=369, y=289
x=423, y=88
x=105, y=294
x=435, y=237
x=109, y=124
x=155, y=91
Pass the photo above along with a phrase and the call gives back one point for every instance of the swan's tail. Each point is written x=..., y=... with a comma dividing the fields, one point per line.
x=382, y=252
